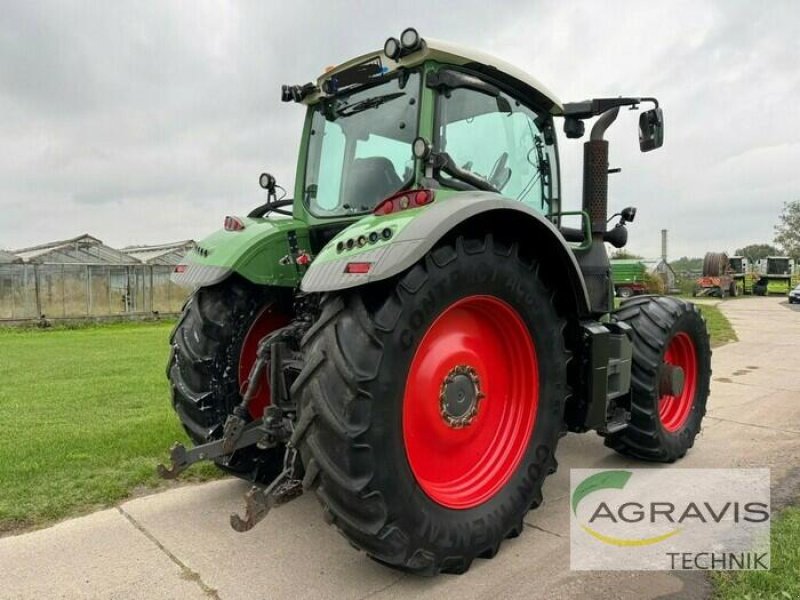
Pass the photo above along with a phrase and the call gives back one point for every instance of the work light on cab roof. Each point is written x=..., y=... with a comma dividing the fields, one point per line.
x=410, y=333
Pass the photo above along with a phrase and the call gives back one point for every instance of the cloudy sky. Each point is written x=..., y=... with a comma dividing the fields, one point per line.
x=147, y=122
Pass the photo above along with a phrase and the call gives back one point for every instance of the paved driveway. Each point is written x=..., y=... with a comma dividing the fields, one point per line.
x=178, y=544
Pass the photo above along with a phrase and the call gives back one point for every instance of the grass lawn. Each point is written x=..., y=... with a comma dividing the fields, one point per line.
x=783, y=578
x=718, y=326
x=86, y=417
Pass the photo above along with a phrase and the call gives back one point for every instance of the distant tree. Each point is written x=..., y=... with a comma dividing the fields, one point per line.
x=622, y=254
x=655, y=284
x=687, y=265
x=787, y=231
x=755, y=252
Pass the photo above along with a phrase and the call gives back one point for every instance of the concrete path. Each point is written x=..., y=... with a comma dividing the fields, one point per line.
x=178, y=544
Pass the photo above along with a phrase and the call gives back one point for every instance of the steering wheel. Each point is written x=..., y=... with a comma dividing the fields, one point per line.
x=500, y=173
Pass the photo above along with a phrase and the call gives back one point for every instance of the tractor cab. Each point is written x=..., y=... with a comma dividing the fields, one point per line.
x=365, y=115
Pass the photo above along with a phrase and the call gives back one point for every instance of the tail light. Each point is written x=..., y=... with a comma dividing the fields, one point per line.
x=234, y=224
x=358, y=268
x=180, y=268
x=403, y=201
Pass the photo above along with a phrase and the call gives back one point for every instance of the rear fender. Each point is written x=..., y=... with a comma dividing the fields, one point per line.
x=415, y=232
x=255, y=253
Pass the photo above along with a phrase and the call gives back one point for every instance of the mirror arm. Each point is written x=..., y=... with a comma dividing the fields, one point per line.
x=597, y=106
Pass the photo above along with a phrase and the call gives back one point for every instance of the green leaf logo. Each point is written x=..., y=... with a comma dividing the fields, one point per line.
x=599, y=481
x=611, y=480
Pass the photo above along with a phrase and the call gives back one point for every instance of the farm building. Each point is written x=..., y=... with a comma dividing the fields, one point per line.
x=7, y=258
x=660, y=267
x=165, y=254
x=83, y=277
x=83, y=250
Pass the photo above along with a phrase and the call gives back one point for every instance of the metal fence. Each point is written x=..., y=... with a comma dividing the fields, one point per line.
x=28, y=291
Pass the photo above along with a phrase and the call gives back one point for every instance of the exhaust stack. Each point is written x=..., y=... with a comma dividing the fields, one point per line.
x=595, y=174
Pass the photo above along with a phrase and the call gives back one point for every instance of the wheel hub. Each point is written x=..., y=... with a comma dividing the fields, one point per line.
x=672, y=380
x=459, y=397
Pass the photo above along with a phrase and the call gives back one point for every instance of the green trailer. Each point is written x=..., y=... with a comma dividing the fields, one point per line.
x=629, y=276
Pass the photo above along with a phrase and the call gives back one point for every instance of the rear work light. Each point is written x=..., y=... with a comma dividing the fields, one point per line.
x=403, y=201
x=233, y=224
x=358, y=268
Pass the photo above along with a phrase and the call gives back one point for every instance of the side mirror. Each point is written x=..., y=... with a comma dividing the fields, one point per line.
x=651, y=129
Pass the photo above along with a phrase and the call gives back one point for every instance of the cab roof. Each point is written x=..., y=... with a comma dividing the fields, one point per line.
x=453, y=54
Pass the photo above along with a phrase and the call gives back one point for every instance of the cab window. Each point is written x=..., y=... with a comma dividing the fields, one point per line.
x=500, y=140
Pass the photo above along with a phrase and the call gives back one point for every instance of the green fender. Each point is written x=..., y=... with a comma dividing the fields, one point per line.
x=405, y=237
x=256, y=253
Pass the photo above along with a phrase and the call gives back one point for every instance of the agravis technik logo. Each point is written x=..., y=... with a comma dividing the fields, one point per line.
x=670, y=519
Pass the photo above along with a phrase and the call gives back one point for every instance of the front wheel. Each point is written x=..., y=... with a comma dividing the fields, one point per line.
x=670, y=378
x=434, y=406
x=625, y=292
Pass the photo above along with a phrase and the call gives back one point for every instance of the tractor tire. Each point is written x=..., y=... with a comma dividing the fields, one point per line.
x=733, y=292
x=213, y=347
x=665, y=331
x=409, y=460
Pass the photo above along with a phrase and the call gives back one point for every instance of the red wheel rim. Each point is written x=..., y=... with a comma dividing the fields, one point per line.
x=462, y=465
x=674, y=410
x=267, y=320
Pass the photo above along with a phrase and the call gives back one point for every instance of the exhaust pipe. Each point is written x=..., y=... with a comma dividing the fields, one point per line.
x=595, y=174
x=594, y=263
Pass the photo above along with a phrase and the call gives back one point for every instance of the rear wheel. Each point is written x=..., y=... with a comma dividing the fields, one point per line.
x=213, y=348
x=665, y=415
x=432, y=409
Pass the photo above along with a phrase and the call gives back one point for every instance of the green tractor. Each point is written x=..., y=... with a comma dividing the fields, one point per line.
x=412, y=335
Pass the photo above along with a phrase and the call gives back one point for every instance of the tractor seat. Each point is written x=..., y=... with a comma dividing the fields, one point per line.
x=371, y=180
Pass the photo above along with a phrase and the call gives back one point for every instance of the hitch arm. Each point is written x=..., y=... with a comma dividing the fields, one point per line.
x=182, y=459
